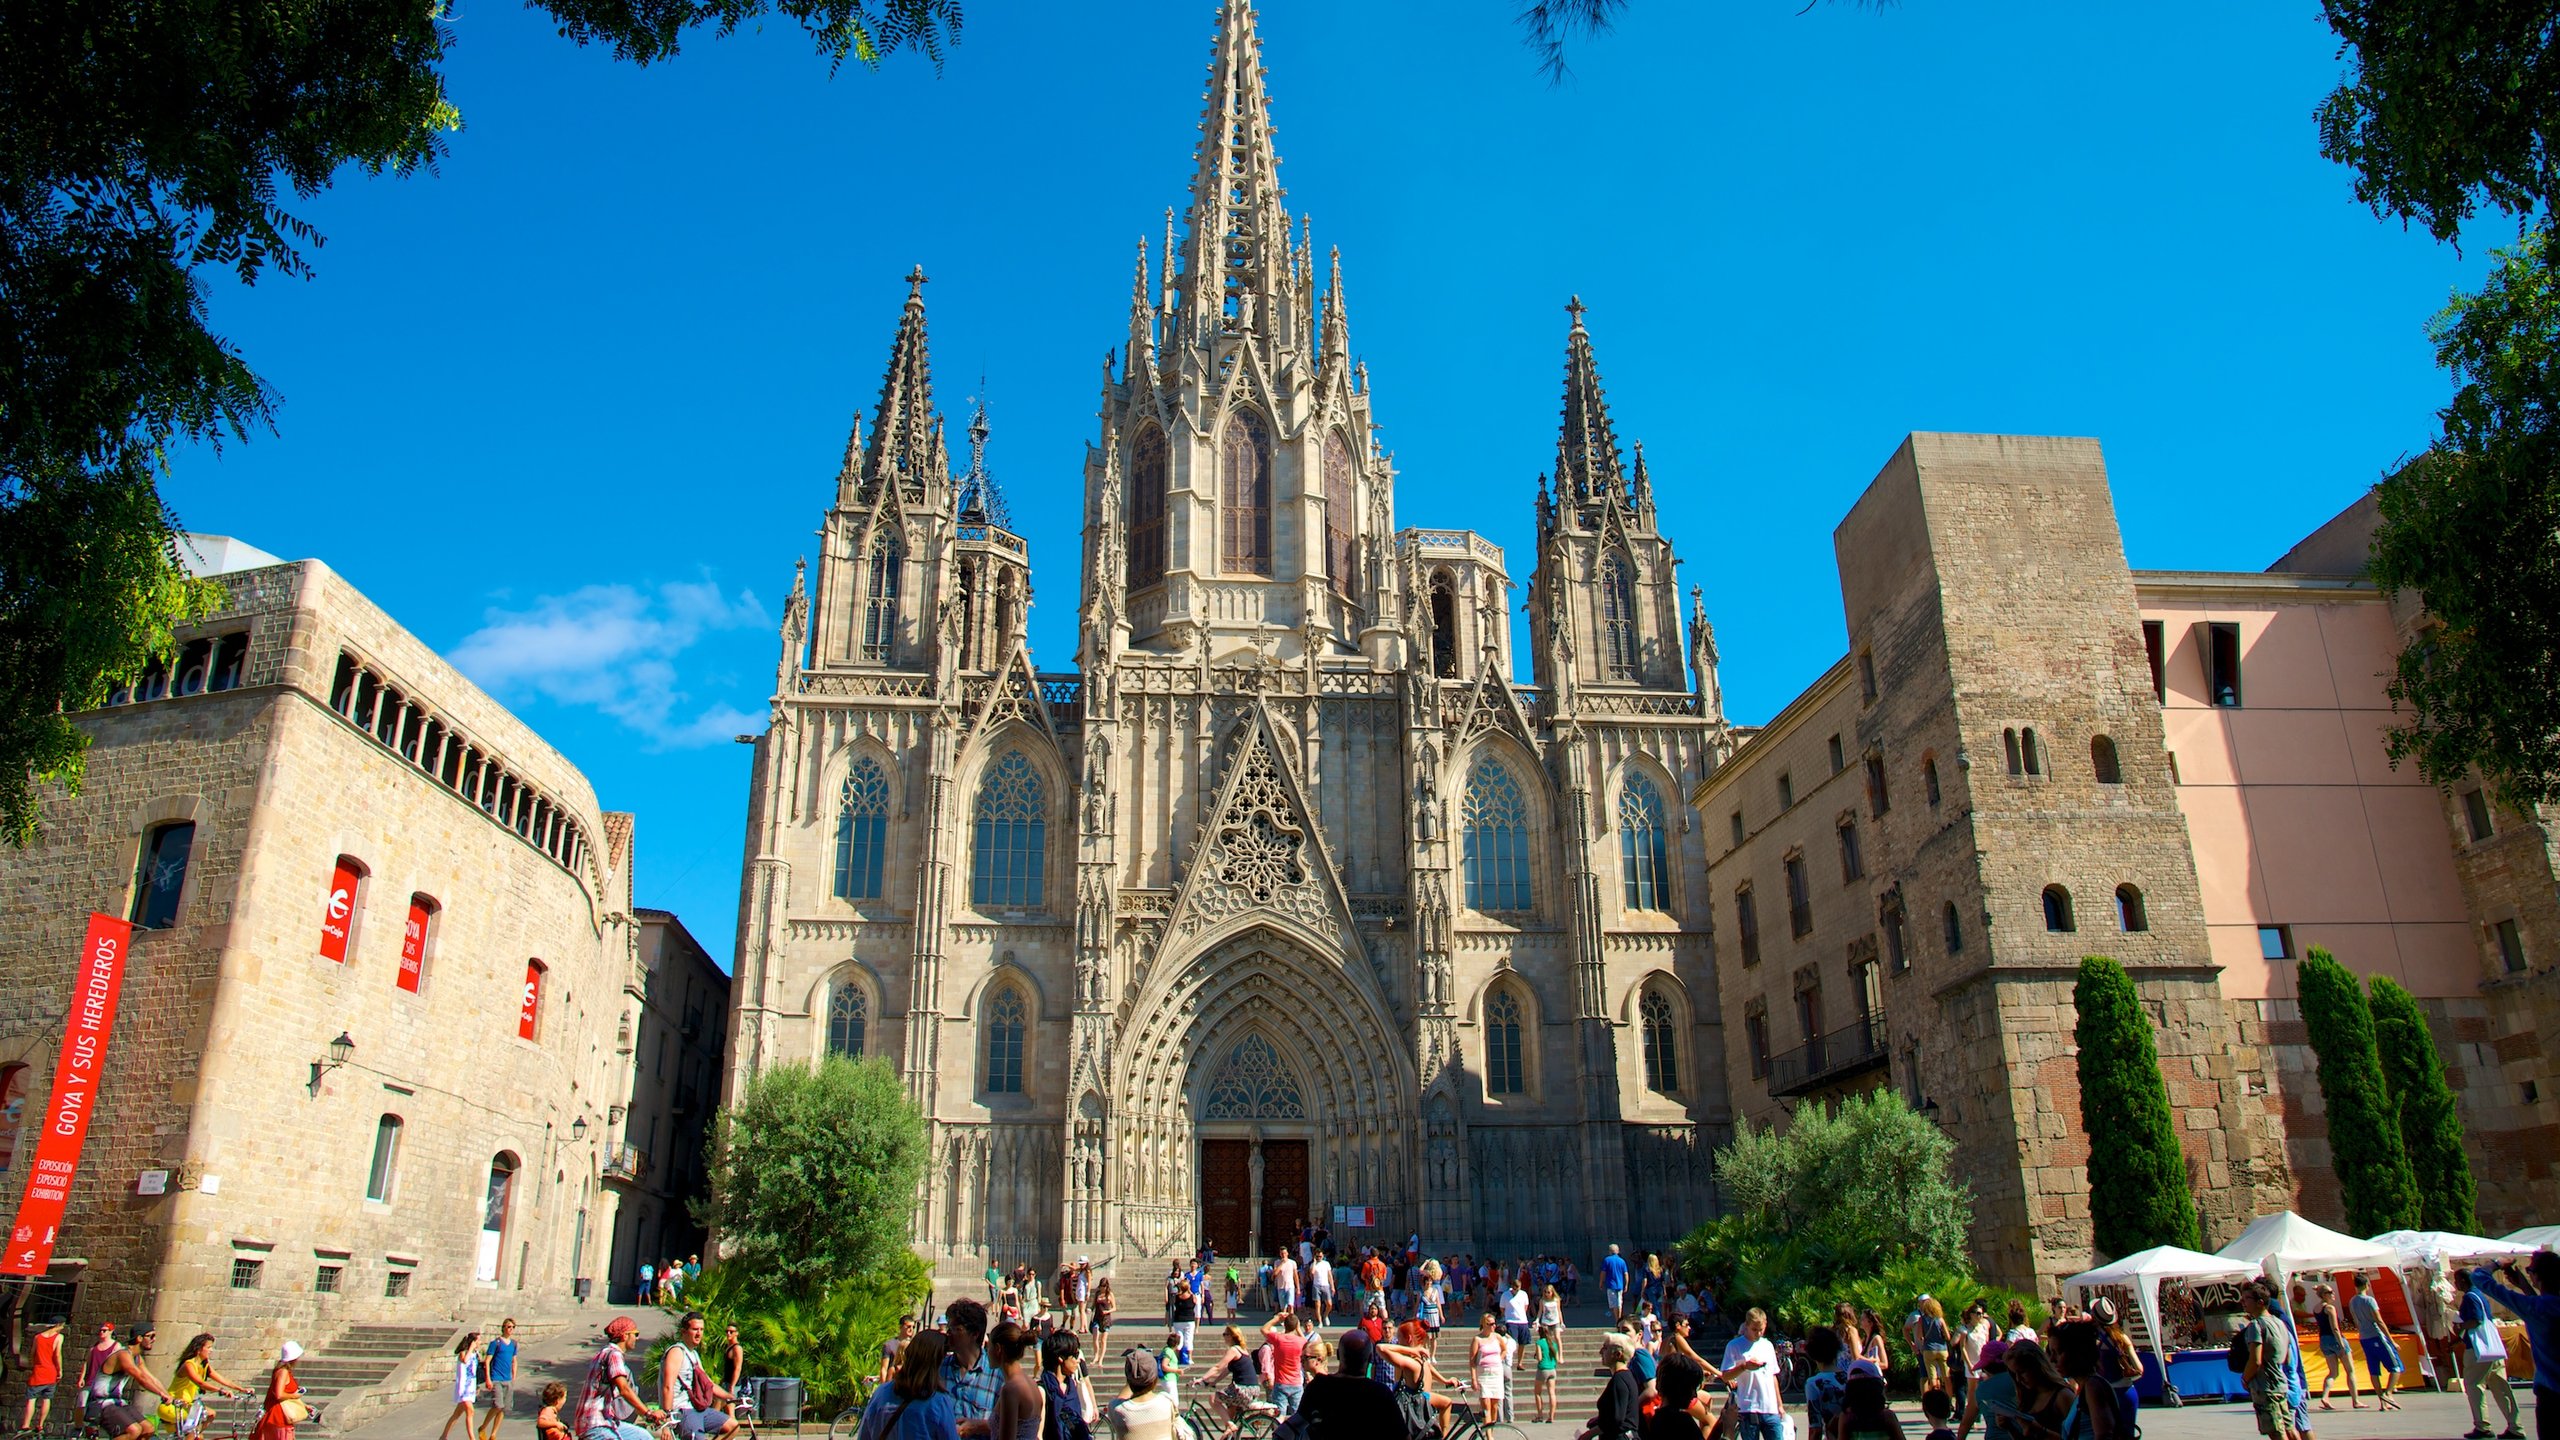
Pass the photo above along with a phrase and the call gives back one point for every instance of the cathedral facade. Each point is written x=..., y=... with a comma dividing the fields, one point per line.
x=1288, y=903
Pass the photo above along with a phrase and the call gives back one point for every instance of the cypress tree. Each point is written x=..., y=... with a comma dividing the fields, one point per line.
x=2372, y=1164
x=2138, y=1195
x=2430, y=1130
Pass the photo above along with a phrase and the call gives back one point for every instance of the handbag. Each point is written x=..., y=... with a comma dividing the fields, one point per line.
x=2485, y=1342
x=293, y=1410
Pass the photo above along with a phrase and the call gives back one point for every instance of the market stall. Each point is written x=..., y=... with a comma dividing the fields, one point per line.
x=2135, y=1282
x=2540, y=1237
x=2284, y=1247
x=2425, y=1258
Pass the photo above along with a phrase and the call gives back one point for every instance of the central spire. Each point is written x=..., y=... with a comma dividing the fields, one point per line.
x=906, y=434
x=1239, y=268
x=1587, y=461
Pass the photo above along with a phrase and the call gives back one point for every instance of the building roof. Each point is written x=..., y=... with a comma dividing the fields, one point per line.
x=204, y=555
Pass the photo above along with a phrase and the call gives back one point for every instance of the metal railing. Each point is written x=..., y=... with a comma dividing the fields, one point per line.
x=1852, y=1049
x=625, y=1161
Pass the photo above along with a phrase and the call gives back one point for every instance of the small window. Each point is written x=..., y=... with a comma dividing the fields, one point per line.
x=1738, y=832
x=1867, y=676
x=324, y=1281
x=1929, y=779
x=1008, y=1018
x=2102, y=761
x=2510, y=947
x=247, y=1272
x=395, y=1286
x=1786, y=790
x=2057, y=910
x=417, y=939
x=2131, y=917
x=1852, y=864
x=1799, y=898
x=2220, y=641
x=2275, y=942
x=1839, y=757
x=1746, y=924
x=529, y=1014
x=1879, y=798
x=2475, y=813
x=2033, y=752
x=1755, y=1027
x=2155, y=648
x=2531, y=1093
x=344, y=907
x=162, y=876
x=1897, y=955
x=230, y=656
x=2009, y=745
x=386, y=1160
x=1955, y=930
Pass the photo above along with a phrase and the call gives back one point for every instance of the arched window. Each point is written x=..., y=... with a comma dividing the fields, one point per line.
x=1661, y=1044
x=1008, y=1018
x=417, y=942
x=848, y=1019
x=2033, y=752
x=1149, y=475
x=880, y=596
x=1012, y=842
x=862, y=831
x=385, y=1172
x=344, y=908
x=495, y=1213
x=2102, y=760
x=2009, y=745
x=1338, y=513
x=1617, y=616
x=1929, y=777
x=1642, y=857
x=1497, y=838
x=2057, y=910
x=1955, y=930
x=1444, y=625
x=1503, y=1070
x=13, y=1112
x=2130, y=914
x=1244, y=521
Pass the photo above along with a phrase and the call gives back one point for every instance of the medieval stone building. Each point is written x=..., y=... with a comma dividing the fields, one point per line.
x=1288, y=898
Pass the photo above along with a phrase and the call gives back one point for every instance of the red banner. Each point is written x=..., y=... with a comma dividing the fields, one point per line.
x=340, y=916
x=413, y=944
x=75, y=1097
x=528, y=1019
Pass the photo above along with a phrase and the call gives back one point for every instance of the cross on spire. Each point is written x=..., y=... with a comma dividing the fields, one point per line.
x=1587, y=461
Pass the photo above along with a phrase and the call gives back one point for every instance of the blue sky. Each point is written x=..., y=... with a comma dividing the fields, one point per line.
x=570, y=408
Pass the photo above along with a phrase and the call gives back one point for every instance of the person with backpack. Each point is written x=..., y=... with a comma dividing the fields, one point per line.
x=686, y=1389
x=1062, y=1383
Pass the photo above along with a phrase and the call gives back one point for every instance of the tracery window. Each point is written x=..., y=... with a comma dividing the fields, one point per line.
x=1338, y=513
x=1012, y=841
x=880, y=597
x=1254, y=1083
x=1244, y=520
x=1617, y=617
x=1661, y=1044
x=848, y=1018
x=1149, y=474
x=1007, y=1021
x=1642, y=857
x=1504, y=1074
x=862, y=831
x=1497, y=838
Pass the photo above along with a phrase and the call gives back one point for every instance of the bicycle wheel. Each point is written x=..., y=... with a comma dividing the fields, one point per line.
x=1502, y=1430
x=847, y=1421
x=1257, y=1426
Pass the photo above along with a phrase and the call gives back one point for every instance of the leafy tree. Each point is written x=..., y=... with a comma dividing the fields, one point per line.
x=2372, y=1166
x=814, y=1171
x=2450, y=104
x=2138, y=1195
x=827, y=1334
x=2430, y=1130
x=139, y=141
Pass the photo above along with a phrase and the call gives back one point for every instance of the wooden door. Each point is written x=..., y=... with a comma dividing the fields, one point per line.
x=1226, y=1194
x=1284, y=1191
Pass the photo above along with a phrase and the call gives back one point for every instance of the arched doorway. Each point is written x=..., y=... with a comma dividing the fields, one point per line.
x=497, y=1204
x=1254, y=1141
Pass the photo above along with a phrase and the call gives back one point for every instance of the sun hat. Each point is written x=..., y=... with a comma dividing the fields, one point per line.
x=291, y=1352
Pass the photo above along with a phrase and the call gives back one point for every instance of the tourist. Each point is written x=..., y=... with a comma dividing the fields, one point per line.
x=2118, y=1362
x=687, y=1391
x=1551, y=1309
x=891, y=1347
x=1019, y=1407
x=1348, y=1401
x=2541, y=1316
x=1641, y=1362
x=1063, y=1386
x=43, y=1374
x=1236, y=1382
x=1490, y=1356
x=1678, y=1341
x=1844, y=1323
x=284, y=1408
x=193, y=1377
x=2433, y=1303
x=995, y=1283
x=1235, y=1291
x=547, y=1424
x=1182, y=1311
x=1571, y=1283
x=1992, y=1389
x=1103, y=1307
x=1412, y=1372
x=2018, y=1329
x=1972, y=1333
x=2382, y=1361
x=2043, y=1399
x=1751, y=1368
x=2483, y=1352
x=1621, y=1406
x=1286, y=1374
x=466, y=1386
x=1320, y=1289
x=1515, y=1313
x=1683, y=1413
x=1934, y=1344
x=1169, y=1364
x=1284, y=1276
x=500, y=1373
x=1826, y=1390
x=607, y=1403
x=966, y=1376
x=1871, y=1339
x=1864, y=1415
x=2267, y=1344
x=1542, y=1400
x=1613, y=1282
x=2333, y=1348
x=913, y=1405
x=648, y=1291
x=1648, y=1327
x=2097, y=1412
x=1432, y=1310
x=1145, y=1409
x=1939, y=1407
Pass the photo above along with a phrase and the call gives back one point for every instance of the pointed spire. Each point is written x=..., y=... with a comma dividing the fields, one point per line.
x=849, y=472
x=1237, y=265
x=906, y=434
x=1169, y=253
x=1587, y=461
x=979, y=499
x=1337, y=324
x=1142, y=316
x=1643, y=487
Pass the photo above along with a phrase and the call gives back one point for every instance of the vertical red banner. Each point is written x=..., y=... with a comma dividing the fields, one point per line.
x=75, y=1097
x=413, y=945
x=340, y=915
x=528, y=1019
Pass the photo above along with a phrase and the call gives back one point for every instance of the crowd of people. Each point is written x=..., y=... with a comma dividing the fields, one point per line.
x=123, y=1398
x=663, y=1283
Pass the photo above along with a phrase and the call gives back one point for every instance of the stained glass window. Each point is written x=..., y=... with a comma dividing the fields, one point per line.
x=1254, y=1083
x=1007, y=1019
x=880, y=600
x=1012, y=836
x=848, y=1018
x=1617, y=617
x=1642, y=851
x=1245, y=497
x=1503, y=1072
x=1497, y=838
x=1661, y=1044
x=1338, y=515
x=862, y=831
x=1149, y=474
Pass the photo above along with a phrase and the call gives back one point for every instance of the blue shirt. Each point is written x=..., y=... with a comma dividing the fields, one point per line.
x=2541, y=1316
x=930, y=1418
x=972, y=1391
x=1613, y=1272
x=502, y=1360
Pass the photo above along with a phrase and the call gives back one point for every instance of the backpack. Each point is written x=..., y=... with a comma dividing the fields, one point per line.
x=2237, y=1357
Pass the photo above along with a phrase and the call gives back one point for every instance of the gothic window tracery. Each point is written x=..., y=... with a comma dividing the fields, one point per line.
x=848, y=1018
x=1504, y=1072
x=1338, y=504
x=1254, y=1083
x=1617, y=616
x=1149, y=474
x=1008, y=1018
x=1661, y=1044
x=880, y=597
x=1642, y=852
x=1244, y=520
x=1010, y=854
x=1497, y=838
x=862, y=831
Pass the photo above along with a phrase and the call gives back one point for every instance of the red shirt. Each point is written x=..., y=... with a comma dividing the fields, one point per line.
x=1286, y=1352
x=48, y=1360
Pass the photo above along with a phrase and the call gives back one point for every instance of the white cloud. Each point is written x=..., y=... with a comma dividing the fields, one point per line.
x=614, y=648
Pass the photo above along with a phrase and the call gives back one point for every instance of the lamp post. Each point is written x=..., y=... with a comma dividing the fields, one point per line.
x=339, y=1051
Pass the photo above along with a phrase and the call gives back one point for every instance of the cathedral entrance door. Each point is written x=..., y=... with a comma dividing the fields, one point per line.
x=1226, y=1193
x=1284, y=1192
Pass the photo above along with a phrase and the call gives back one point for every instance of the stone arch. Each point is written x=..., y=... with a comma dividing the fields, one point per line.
x=865, y=982
x=1675, y=812
x=1057, y=800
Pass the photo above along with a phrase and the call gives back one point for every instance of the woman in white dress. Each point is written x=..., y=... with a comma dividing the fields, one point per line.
x=1490, y=1357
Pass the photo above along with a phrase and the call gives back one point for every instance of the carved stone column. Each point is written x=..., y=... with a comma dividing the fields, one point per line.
x=1604, y=1163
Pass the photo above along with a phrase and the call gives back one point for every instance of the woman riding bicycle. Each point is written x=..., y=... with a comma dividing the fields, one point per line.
x=185, y=1413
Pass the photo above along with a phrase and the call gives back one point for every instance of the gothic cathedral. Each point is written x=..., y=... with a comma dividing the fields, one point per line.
x=1288, y=897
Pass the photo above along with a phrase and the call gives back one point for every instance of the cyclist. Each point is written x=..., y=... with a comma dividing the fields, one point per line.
x=111, y=1368
x=185, y=1413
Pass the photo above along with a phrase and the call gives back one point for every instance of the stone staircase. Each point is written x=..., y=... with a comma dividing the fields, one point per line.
x=367, y=1369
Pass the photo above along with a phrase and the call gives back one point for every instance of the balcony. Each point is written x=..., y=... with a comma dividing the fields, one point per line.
x=624, y=1164
x=1853, y=1049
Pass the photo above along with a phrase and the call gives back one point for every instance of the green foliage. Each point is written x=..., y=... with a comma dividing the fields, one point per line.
x=2472, y=527
x=2449, y=103
x=2430, y=1130
x=2138, y=1195
x=827, y=1334
x=1842, y=1197
x=142, y=140
x=1891, y=1292
x=814, y=1172
x=2364, y=1127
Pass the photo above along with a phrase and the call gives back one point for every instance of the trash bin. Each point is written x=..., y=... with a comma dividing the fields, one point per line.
x=778, y=1400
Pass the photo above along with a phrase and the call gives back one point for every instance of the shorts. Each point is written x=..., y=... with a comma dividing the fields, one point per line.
x=41, y=1392
x=690, y=1423
x=2275, y=1412
x=117, y=1419
x=2333, y=1351
x=502, y=1396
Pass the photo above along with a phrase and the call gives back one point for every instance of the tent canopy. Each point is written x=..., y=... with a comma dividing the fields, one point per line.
x=2540, y=1237
x=2437, y=1247
x=2291, y=1245
x=2165, y=1262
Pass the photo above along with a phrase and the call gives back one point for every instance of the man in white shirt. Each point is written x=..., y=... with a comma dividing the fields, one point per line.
x=1320, y=1289
x=1515, y=1315
x=1751, y=1368
x=1284, y=1277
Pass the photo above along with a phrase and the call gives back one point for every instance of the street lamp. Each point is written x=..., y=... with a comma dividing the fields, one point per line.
x=578, y=1128
x=339, y=1050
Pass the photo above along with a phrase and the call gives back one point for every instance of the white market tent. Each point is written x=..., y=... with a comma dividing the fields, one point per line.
x=2284, y=1245
x=2539, y=1237
x=2143, y=1272
x=2430, y=1248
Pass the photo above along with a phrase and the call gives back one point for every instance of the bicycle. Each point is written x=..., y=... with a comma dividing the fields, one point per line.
x=1258, y=1422
x=849, y=1420
x=1466, y=1422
